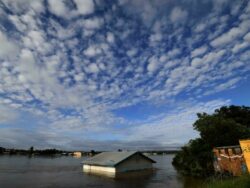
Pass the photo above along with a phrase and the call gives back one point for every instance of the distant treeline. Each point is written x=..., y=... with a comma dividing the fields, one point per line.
x=161, y=152
x=31, y=151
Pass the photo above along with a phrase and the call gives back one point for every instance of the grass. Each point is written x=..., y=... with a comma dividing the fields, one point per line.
x=236, y=182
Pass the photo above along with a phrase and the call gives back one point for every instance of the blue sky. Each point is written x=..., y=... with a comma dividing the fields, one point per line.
x=130, y=74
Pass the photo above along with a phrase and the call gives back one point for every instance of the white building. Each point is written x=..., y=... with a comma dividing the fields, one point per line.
x=114, y=163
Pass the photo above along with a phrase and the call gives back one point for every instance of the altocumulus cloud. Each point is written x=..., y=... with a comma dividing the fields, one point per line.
x=74, y=69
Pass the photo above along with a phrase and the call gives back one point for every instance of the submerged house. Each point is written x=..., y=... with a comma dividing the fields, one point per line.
x=77, y=154
x=115, y=163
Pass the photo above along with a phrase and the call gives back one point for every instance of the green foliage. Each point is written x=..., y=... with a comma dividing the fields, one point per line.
x=220, y=131
x=2, y=150
x=225, y=127
x=194, y=159
x=31, y=150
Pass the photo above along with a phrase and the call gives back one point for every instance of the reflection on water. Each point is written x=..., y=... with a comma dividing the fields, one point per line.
x=21, y=171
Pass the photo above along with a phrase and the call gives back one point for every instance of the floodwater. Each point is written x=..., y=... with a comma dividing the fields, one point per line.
x=66, y=172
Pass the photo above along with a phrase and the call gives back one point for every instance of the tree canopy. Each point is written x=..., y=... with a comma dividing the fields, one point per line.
x=222, y=128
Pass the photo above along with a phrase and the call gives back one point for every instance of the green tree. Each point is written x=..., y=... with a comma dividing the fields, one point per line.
x=31, y=150
x=224, y=127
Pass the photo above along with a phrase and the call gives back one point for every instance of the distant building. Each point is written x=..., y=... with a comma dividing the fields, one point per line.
x=77, y=154
x=229, y=159
x=114, y=163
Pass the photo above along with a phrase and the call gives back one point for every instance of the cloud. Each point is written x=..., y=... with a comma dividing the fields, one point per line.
x=247, y=37
x=8, y=48
x=153, y=64
x=7, y=114
x=173, y=128
x=132, y=52
x=200, y=27
x=85, y=7
x=93, y=68
x=199, y=51
x=231, y=35
x=155, y=37
x=92, y=23
x=92, y=51
x=74, y=64
x=58, y=7
x=178, y=14
x=239, y=47
x=110, y=37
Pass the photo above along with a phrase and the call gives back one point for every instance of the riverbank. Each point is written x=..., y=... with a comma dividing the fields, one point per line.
x=239, y=182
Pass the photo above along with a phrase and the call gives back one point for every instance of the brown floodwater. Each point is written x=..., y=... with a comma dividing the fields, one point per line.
x=66, y=172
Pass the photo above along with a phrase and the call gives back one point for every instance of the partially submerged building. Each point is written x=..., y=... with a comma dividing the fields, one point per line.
x=77, y=154
x=113, y=164
x=229, y=159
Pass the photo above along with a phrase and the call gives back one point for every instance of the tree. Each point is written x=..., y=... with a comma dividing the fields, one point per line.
x=222, y=128
x=31, y=150
x=194, y=159
x=2, y=150
x=220, y=131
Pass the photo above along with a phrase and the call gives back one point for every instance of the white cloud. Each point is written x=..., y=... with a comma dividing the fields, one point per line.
x=153, y=64
x=85, y=6
x=199, y=51
x=155, y=37
x=92, y=51
x=175, y=127
x=8, y=48
x=7, y=114
x=229, y=84
x=247, y=37
x=178, y=14
x=231, y=35
x=92, y=23
x=93, y=68
x=196, y=62
x=36, y=38
x=110, y=37
x=200, y=27
x=132, y=52
x=58, y=8
x=37, y=5
x=240, y=46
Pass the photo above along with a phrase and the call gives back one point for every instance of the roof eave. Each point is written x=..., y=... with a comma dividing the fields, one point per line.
x=97, y=165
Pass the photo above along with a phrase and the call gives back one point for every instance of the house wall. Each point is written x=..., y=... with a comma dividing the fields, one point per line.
x=100, y=170
x=77, y=154
x=229, y=160
x=136, y=162
x=92, y=168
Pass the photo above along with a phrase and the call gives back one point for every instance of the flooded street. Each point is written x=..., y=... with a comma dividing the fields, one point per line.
x=66, y=172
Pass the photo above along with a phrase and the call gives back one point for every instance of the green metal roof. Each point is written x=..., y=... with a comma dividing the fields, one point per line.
x=112, y=158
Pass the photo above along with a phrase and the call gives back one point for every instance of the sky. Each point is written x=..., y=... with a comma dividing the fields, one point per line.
x=128, y=74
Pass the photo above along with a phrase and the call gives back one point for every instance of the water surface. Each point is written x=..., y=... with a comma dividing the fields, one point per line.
x=66, y=172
